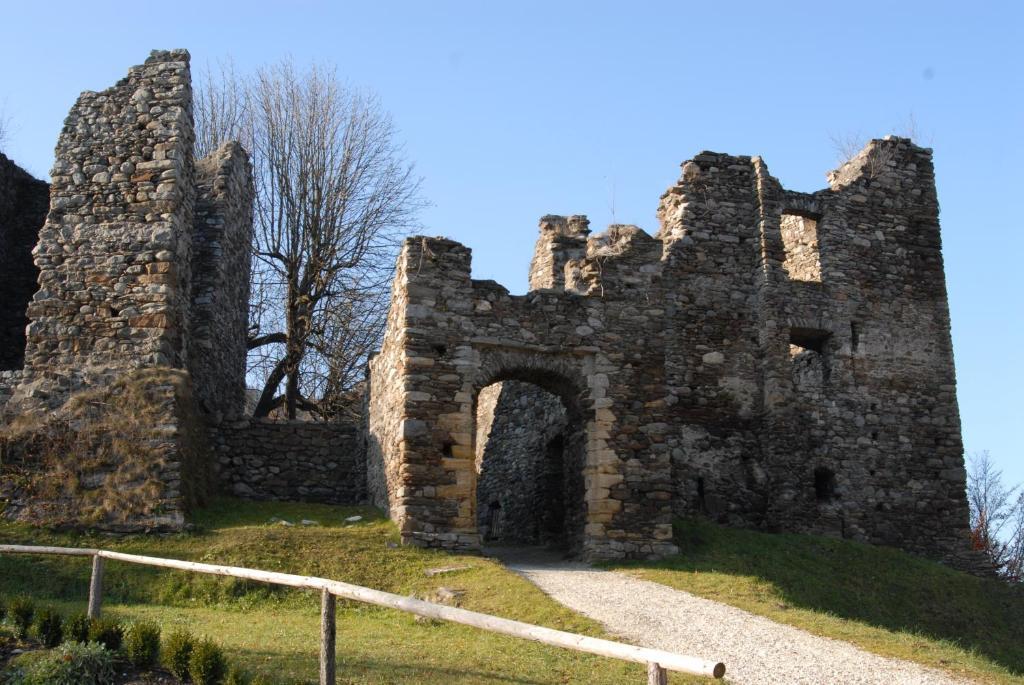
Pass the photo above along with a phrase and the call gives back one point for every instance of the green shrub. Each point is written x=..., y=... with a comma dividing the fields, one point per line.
x=3, y=608
x=72, y=663
x=76, y=628
x=207, y=665
x=142, y=644
x=22, y=611
x=177, y=652
x=49, y=627
x=107, y=632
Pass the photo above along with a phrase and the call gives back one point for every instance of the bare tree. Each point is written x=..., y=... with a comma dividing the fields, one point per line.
x=334, y=196
x=997, y=516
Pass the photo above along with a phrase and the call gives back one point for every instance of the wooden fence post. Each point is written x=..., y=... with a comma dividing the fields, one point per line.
x=96, y=587
x=656, y=675
x=328, y=633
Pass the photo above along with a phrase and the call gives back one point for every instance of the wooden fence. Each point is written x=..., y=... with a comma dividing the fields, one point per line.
x=658, y=662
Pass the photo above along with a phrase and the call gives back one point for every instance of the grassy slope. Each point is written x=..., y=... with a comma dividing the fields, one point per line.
x=881, y=599
x=275, y=630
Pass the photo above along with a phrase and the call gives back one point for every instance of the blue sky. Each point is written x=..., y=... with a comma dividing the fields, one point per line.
x=515, y=110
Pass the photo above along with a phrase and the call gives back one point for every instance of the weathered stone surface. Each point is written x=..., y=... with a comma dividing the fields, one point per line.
x=770, y=358
x=114, y=253
x=143, y=266
x=221, y=260
x=23, y=203
x=520, y=459
x=292, y=461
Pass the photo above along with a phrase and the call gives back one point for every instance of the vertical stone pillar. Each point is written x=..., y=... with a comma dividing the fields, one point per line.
x=421, y=420
x=561, y=240
x=221, y=262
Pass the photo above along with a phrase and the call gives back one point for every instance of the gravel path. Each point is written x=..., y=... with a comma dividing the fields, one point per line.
x=755, y=649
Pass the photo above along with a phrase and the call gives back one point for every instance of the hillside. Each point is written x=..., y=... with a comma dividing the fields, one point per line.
x=274, y=631
x=883, y=600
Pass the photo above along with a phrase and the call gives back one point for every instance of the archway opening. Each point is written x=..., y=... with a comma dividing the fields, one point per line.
x=530, y=451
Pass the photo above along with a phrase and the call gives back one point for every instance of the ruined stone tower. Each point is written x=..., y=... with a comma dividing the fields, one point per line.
x=769, y=358
x=142, y=264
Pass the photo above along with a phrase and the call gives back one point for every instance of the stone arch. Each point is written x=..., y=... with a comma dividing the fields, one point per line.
x=564, y=377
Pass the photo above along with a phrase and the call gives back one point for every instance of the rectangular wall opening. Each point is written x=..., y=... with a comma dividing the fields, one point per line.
x=808, y=349
x=800, y=240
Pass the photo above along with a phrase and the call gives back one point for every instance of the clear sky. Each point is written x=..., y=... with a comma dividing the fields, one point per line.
x=518, y=109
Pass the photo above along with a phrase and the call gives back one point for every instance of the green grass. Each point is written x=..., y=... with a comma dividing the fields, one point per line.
x=880, y=599
x=275, y=631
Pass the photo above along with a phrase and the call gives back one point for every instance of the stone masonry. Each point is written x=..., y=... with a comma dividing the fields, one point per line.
x=142, y=263
x=520, y=457
x=290, y=461
x=23, y=203
x=769, y=358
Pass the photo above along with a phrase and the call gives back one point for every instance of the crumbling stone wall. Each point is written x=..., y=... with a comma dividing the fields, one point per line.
x=221, y=261
x=142, y=279
x=23, y=203
x=114, y=253
x=292, y=461
x=520, y=464
x=769, y=358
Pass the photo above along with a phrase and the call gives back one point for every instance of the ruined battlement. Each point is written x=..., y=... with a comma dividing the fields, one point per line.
x=769, y=358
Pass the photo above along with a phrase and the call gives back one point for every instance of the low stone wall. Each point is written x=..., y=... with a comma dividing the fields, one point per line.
x=290, y=461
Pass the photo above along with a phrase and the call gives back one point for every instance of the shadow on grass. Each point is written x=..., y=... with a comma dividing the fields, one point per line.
x=878, y=586
x=392, y=670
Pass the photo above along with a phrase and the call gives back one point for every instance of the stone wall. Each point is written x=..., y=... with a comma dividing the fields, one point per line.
x=221, y=258
x=520, y=464
x=23, y=203
x=292, y=461
x=142, y=295
x=114, y=253
x=770, y=358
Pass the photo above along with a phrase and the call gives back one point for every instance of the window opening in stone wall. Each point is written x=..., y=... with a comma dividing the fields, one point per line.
x=529, y=484
x=809, y=352
x=800, y=241
x=854, y=337
x=824, y=484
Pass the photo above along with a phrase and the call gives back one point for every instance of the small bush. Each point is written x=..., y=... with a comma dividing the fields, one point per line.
x=76, y=628
x=3, y=608
x=142, y=644
x=72, y=663
x=207, y=665
x=22, y=611
x=177, y=652
x=49, y=628
x=107, y=632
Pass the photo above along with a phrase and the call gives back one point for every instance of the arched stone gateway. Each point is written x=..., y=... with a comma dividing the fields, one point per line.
x=423, y=466
x=769, y=358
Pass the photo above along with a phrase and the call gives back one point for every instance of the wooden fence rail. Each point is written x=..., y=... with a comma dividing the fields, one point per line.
x=658, y=662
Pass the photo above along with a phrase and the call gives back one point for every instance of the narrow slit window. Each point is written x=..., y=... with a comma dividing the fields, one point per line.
x=800, y=240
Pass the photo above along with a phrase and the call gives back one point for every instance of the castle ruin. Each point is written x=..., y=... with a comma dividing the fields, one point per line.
x=768, y=358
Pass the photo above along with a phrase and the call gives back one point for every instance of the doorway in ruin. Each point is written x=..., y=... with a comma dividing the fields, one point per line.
x=530, y=452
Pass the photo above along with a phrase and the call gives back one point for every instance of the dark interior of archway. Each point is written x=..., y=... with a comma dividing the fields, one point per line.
x=529, y=457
